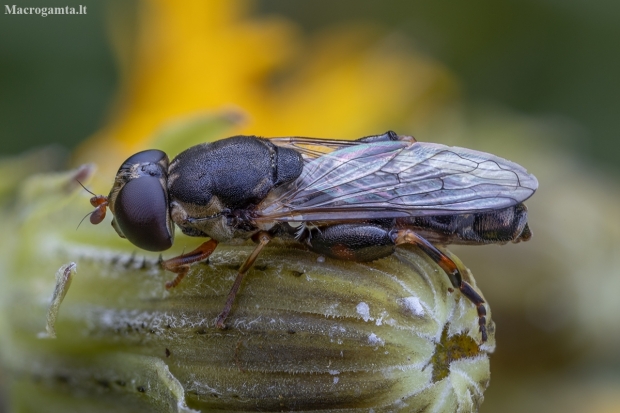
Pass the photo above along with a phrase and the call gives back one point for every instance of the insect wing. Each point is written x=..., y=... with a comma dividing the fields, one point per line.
x=312, y=148
x=398, y=179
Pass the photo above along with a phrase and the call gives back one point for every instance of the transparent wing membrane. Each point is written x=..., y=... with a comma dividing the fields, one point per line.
x=398, y=179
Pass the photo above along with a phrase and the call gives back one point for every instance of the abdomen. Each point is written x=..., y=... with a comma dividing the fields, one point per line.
x=493, y=227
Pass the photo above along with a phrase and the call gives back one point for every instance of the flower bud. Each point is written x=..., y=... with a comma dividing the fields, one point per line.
x=304, y=333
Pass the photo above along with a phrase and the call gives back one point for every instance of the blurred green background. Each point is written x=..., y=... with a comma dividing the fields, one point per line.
x=57, y=77
x=539, y=84
x=544, y=58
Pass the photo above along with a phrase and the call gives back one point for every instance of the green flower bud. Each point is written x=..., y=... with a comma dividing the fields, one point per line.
x=304, y=334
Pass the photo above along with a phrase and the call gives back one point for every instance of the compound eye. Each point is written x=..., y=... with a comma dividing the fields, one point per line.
x=141, y=212
x=148, y=156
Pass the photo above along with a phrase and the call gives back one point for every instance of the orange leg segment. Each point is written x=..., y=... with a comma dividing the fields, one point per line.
x=180, y=265
x=407, y=236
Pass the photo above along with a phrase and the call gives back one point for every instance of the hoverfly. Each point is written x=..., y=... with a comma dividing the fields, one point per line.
x=349, y=200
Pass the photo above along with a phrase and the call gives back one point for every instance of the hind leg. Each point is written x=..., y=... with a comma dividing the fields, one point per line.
x=351, y=242
x=367, y=242
x=407, y=236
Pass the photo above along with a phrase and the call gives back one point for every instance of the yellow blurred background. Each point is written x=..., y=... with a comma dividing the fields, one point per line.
x=534, y=82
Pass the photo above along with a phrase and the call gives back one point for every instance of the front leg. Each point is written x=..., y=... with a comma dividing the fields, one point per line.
x=180, y=265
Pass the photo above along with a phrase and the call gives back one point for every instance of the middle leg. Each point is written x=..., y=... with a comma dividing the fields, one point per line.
x=263, y=239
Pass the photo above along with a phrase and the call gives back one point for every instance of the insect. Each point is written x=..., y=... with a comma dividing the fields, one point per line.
x=350, y=200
